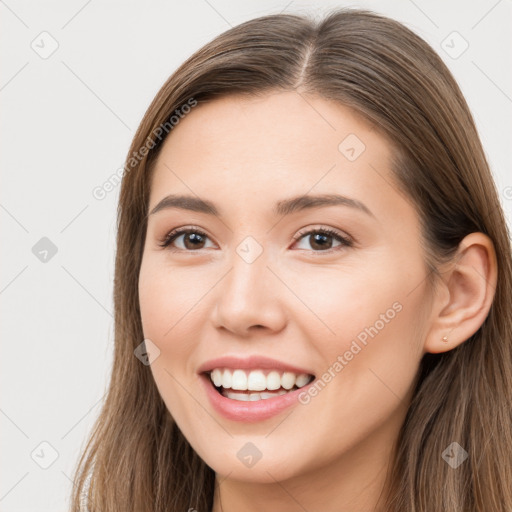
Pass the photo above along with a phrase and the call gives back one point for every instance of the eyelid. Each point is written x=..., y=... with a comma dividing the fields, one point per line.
x=324, y=229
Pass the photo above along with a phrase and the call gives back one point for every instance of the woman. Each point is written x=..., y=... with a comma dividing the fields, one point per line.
x=312, y=288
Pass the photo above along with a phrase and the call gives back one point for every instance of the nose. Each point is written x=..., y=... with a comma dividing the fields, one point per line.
x=249, y=298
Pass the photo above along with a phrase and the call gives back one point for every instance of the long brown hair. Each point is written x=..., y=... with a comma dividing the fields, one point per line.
x=136, y=456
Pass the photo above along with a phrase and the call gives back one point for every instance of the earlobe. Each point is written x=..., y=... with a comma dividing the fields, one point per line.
x=469, y=285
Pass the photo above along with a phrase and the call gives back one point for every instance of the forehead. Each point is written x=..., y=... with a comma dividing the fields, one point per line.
x=242, y=150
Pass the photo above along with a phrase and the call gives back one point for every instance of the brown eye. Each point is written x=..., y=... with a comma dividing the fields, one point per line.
x=192, y=239
x=321, y=240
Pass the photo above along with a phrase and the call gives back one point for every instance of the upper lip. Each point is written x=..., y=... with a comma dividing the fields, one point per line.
x=253, y=362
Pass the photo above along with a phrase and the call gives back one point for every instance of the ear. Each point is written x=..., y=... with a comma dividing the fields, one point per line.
x=464, y=294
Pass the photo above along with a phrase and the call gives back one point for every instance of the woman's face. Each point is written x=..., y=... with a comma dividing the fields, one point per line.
x=268, y=292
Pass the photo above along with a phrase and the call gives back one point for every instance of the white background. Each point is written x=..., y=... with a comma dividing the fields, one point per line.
x=67, y=124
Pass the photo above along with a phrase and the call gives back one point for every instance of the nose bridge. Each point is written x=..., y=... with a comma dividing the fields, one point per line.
x=248, y=294
x=248, y=277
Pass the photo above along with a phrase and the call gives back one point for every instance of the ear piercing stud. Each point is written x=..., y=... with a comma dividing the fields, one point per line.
x=445, y=339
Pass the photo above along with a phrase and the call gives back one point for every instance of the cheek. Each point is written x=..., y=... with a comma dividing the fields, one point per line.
x=370, y=317
x=164, y=299
x=172, y=304
x=369, y=369
x=344, y=300
x=168, y=298
x=166, y=304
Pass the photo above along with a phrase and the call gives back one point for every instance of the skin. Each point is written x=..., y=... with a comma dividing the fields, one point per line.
x=297, y=302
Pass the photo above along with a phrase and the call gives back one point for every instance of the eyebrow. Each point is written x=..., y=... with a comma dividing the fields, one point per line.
x=281, y=208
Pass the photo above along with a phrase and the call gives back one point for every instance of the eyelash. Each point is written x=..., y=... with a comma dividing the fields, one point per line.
x=345, y=241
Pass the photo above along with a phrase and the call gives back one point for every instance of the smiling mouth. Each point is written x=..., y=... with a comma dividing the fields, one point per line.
x=258, y=384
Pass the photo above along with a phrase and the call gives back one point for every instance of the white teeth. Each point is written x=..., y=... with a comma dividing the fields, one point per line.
x=252, y=397
x=288, y=380
x=239, y=380
x=226, y=379
x=257, y=380
x=302, y=380
x=273, y=380
x=242, y=397
x=217, y=377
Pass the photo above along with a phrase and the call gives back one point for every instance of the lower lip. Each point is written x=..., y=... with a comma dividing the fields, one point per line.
x=259, y=410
